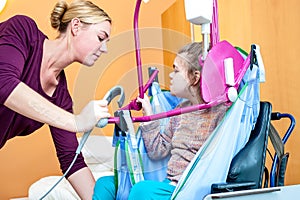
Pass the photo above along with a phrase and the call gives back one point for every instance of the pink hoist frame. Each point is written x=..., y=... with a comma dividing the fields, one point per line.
x=212, y=84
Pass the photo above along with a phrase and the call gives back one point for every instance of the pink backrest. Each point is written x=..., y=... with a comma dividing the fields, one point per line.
x=213, y=85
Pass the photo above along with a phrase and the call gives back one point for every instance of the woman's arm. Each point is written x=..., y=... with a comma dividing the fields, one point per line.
x=29, y=103
x=83, y=182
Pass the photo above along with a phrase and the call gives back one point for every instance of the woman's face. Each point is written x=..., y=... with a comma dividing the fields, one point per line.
x=179, y=81
x=91, y=42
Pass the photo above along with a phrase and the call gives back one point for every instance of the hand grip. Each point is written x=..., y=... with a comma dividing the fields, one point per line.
x=110, y=95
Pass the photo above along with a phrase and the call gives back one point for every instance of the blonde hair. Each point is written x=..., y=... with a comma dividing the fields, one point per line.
x=191, y=53
x=85, y=11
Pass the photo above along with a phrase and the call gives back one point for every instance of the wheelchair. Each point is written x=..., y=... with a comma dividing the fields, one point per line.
x=247, y=170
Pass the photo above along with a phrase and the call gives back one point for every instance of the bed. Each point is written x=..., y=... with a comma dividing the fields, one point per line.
x=98, y=154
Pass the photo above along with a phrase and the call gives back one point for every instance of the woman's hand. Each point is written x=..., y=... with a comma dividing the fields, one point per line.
x=91, y=114
x=147, y=108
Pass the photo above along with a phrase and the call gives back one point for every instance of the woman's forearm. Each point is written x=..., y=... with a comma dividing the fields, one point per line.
x=29, y=103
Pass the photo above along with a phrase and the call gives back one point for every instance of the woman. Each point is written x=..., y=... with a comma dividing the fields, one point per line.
x=183, y=136
x=33, y=87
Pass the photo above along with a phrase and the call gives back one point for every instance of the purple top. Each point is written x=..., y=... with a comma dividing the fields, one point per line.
x=21, y=51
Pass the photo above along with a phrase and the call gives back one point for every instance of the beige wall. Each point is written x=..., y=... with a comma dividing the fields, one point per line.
x=27, y=159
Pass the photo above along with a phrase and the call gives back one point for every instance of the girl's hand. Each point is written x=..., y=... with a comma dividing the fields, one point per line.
x=147, y=108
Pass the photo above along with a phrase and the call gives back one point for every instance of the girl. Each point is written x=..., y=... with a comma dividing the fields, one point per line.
x=183, y=136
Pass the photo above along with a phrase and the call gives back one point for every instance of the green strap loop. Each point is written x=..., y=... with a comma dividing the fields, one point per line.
x=115, y=165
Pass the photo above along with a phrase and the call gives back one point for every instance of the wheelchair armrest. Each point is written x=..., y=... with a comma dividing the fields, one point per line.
x=230, y=187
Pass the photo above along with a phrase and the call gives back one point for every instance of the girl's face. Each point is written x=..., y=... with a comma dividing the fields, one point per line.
x=91, y=42
x=179, y=78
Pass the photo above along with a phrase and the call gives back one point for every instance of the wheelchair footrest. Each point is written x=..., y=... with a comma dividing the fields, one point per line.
x=230, y=187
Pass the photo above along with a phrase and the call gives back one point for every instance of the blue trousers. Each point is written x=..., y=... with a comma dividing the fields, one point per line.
x=105, y=189
x=147, y=190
